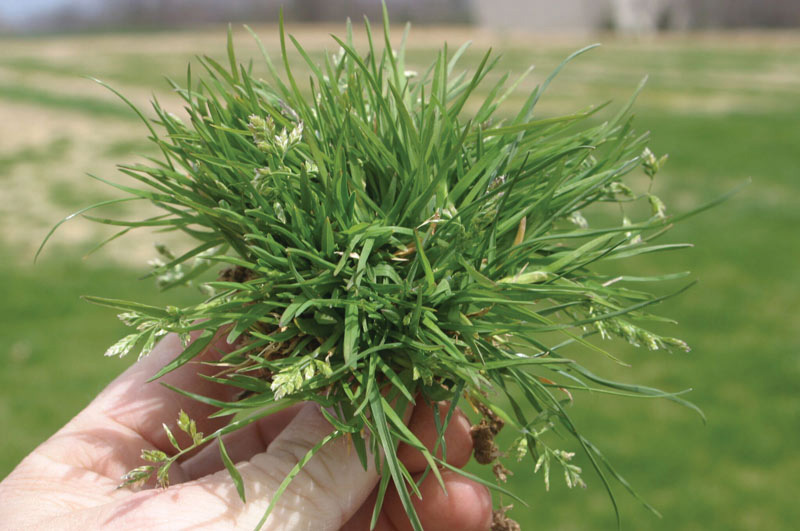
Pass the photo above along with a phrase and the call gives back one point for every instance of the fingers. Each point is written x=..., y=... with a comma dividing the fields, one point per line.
x=255, y=438
x=322, y=496
x=325, y=494
x=458, y=442
x=466, y=506
x=244, y=444
x=333, y=487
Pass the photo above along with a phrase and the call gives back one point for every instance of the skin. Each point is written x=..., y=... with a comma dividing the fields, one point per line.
x=69, y=482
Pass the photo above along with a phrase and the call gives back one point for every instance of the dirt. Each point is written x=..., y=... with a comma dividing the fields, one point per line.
x=483, y=434
x=484, y=448
x=501, y=522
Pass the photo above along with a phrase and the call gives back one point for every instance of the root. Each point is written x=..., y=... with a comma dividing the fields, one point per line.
x=501, y=522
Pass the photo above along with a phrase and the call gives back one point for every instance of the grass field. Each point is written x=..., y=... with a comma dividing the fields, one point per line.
x=725, y=107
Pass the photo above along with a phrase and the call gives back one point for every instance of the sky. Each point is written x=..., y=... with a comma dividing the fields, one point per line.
x=17, y=10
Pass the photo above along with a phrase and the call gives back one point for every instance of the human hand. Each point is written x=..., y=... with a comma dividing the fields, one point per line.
x=70, y=481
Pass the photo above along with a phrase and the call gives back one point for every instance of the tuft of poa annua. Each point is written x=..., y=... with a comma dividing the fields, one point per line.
x=374, y=243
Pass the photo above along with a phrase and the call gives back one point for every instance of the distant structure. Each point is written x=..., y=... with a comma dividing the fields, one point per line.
x=542, y=15
x=417, y=11
x=648, y=16
x=625, y=16
x=634, y=16
x=79, y=15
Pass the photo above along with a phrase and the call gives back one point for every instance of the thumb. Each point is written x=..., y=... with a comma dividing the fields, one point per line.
x=322, y=497
x=326, y=492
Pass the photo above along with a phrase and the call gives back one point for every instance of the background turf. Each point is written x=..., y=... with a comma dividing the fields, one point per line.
x=724, y=106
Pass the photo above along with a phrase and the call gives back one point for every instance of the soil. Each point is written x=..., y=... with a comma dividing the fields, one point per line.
x=501, y=522
x=484, y=447
x=237, y=274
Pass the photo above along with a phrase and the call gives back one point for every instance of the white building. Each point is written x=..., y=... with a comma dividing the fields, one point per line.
x=633, y=16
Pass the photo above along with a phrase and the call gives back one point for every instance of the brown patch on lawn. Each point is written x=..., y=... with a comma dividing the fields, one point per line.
x=30, y=207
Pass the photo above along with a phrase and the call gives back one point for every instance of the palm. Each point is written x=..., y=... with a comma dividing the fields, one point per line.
x=71, y=480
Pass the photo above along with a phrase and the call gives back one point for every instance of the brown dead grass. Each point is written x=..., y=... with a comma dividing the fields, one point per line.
x=29, y=207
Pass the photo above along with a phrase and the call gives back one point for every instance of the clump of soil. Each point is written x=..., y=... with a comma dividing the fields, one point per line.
x=484, y=447
x=483, y=434
x=486, y=452
x=236, y=274
x=501, y=522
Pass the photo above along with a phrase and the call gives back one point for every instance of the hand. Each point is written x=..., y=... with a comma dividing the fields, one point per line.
x=70, y=481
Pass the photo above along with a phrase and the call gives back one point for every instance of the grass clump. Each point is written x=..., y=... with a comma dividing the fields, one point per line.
x=379, y=244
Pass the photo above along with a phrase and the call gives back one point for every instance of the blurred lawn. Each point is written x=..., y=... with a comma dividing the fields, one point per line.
x=725, y=107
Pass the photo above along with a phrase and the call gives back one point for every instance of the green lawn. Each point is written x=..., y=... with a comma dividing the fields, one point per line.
x=725, y=108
